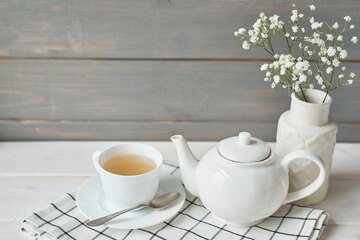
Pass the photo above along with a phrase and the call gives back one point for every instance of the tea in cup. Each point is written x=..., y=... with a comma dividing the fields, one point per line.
x=129, y=165
x=130, y=173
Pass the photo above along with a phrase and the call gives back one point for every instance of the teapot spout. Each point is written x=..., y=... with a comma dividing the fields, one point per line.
x=188, y=163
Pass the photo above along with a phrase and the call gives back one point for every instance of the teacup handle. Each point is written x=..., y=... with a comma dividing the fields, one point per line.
x=95, y=159
x=315, y=185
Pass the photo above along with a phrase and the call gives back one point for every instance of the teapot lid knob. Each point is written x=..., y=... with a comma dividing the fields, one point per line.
x=244, y=138
x=244, y=148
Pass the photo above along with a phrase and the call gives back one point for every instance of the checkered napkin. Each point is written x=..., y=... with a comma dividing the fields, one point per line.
x=62, y=220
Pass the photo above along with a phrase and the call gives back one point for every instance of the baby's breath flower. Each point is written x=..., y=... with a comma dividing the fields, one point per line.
x=312, y=7
x=329, y=37
x=276, y=65
x=275, y=23
x=350, y=81
x=316, y=25
x=302, y=78
x=264, y=67
x=254, y=38
x=282, y=70
x=335, y=25
x=311, y=86
x=331, y=51
x=246, y=45
x=352, y=75
x=316, y=35
x=329, y=70
x=312, y=19
x=354, y=39
x=343, y=68
x=336, y=62
x=341, y=76
x=339, y=38
x=347, y=18
x=297, y=87
x=351, y=26
x=343, y=54
x=294, y=15
x=257, y=24
x=319, y=79
x=295, y=29
x=276, y=79
x=242, y=31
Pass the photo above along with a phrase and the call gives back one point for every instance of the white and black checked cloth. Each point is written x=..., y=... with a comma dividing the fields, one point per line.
x=62, y=220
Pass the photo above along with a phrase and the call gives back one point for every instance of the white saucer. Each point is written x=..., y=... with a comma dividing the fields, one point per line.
x=91, y=201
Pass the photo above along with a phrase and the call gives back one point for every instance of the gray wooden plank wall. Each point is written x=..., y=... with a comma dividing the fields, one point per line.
x=144, y=70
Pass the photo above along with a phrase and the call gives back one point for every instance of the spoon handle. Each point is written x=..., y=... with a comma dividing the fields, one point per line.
x=102, y=220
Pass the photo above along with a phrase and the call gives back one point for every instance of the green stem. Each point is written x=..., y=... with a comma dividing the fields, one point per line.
x=269, y=52
x=328, y=88
x=270, y=45
x=303, y=93
x=319, y=71
x=287, y=40
x=264, y=46
x=344, y=28
x=287, y=77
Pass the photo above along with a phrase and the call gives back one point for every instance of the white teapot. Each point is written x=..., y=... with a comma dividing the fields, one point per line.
x=240, y=180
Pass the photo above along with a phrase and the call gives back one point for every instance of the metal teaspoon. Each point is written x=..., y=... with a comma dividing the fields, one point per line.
x=158, y=203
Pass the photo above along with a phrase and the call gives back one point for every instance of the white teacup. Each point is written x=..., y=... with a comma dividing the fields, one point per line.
x=129, y=190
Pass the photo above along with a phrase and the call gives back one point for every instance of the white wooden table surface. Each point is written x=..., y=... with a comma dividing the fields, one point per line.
x=34, y=173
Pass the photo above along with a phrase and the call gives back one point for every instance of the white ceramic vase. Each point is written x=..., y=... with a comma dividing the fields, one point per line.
x=306, y=126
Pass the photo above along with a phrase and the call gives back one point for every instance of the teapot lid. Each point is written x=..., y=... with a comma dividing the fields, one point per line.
x=244, y=148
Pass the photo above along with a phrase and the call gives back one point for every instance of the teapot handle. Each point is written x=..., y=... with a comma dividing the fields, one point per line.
x=315, y=185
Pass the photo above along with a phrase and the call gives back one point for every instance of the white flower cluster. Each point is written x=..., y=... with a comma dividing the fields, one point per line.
x=259, y=35
x=287, y=71
x=314, y=58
